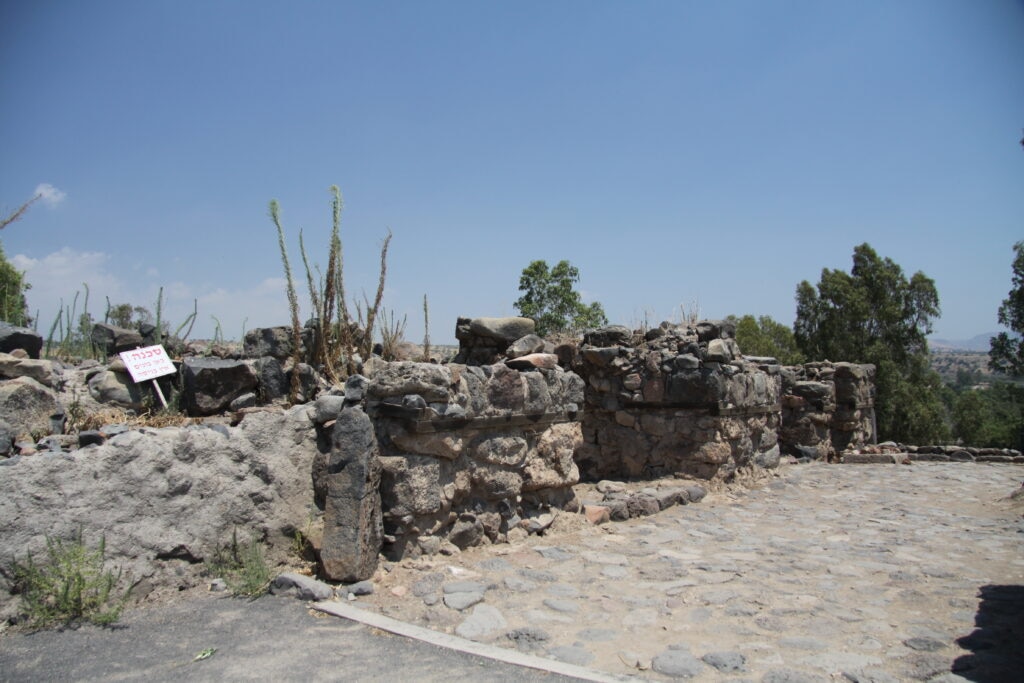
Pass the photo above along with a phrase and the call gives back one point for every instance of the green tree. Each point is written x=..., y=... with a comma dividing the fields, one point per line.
x=13, y=308
x=128, y=316
x=989, y=417
x=551, y=301
x=1006, y=354
x=763, y=336
x=874, y=314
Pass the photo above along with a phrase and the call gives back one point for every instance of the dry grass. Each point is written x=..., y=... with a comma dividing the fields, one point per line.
x=150, y=419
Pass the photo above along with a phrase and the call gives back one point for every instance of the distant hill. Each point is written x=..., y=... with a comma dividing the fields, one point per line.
x=976, y=343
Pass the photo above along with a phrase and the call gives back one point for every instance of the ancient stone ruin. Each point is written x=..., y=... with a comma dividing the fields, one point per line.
x=678, y=400
x=408, y=458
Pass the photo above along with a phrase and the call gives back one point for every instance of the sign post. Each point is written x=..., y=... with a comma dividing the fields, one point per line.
x=147, y=364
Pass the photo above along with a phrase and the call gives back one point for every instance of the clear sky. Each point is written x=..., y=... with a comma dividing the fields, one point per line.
x=678, y=153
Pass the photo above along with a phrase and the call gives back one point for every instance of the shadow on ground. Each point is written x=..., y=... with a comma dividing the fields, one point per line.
x=997, y=642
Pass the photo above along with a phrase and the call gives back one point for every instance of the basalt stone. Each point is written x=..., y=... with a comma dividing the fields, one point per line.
x=26, y=406
x=13, y=337
x=524, y=346
x=715, y=329
x=696, y=387
x=272, y=380
x=400, y=379
x=111, y=339
x=505, y=330
x=210, y=384
x=612, y=335
x=269, y=341
x=353, y=529
x=601, y=356
x=534, y=361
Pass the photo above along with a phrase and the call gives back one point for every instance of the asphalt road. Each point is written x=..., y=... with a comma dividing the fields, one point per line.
x=273, y=638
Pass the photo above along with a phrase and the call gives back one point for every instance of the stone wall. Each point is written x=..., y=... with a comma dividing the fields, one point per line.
x=676, y=400
x=470, y=453
x=827, y=408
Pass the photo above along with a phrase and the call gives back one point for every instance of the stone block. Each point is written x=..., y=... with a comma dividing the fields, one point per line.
x=353, y=530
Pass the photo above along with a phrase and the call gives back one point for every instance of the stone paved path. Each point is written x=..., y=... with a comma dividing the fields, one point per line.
x=829, y=572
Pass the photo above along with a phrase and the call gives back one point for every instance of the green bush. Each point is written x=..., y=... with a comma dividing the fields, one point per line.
x=243, y=567
x=71, y=585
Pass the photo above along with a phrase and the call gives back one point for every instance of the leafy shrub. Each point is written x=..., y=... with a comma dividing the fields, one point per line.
x=72, y=585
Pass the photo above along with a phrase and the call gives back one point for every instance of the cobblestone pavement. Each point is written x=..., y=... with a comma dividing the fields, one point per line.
x=829, y=572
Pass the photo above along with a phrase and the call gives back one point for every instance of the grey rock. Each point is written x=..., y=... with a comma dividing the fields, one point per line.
x=46, y=372
x=696, y=493
x=572, y=654
x=353, y=527
x=26, y=406
x=463, y=600
x=13, y=337
x=302, y=587
x=483, y=622
x=526, y=345
x=209, y=385
x=726, y=662
x=518, y=585
x=529, y=639
x=611, y=335
x=399, y=379
x=111, y=339
x=355, y=389
x=464, y=587
x=164, y=499
x=90, y=437
x=677, y=664
x=327, y=408
x=246, y=400
x=504, y=330
x=272, y=382
x=116, y=388
x=275, y=342
x=360, y=588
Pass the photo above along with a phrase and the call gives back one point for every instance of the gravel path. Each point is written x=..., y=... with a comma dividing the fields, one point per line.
x=830, y=572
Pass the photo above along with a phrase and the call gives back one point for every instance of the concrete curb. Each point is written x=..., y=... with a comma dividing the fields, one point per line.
x=353, y=613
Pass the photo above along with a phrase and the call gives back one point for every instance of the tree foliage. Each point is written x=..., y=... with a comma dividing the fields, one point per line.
x=763, y=336
x=128, y=316
x=551, y=301
x=13, y=308
x=988, y=416
x=1006, y=354
x=874, y=314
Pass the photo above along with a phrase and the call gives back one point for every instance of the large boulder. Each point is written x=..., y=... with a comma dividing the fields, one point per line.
x=111, y=339
x=46, y=372
x=210, y=385
x=13, y=337
x=506, y=330
x=165, y=500
x=275, y=342
x=116, y=388
x=26, y=405
x=353, y=527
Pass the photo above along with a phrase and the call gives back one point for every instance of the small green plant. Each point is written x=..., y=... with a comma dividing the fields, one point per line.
x=71, y=585
x=243, y=567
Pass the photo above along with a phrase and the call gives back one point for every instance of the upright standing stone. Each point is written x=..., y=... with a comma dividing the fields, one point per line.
x=353, y=532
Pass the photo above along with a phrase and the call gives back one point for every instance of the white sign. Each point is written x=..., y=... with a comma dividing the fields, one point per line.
x=148, y=363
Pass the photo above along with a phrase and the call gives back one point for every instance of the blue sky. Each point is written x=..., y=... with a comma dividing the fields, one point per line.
x=678, y=153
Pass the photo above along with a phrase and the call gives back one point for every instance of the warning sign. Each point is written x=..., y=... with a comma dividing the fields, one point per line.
x=147, y=363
